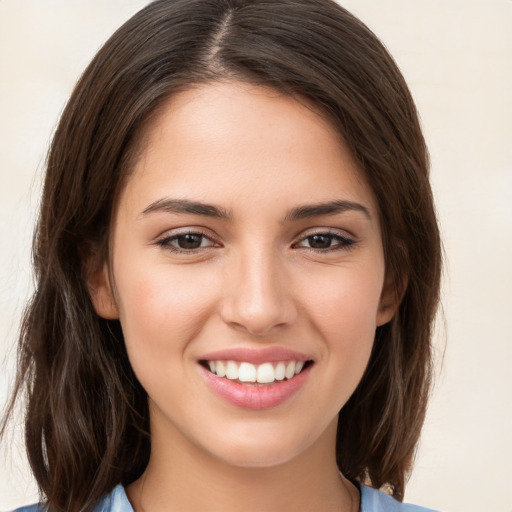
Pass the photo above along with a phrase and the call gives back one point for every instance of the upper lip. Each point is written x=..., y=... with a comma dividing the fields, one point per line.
x=256, y=355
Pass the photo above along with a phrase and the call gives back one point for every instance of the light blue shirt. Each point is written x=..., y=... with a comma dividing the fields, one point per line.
x=371, y=501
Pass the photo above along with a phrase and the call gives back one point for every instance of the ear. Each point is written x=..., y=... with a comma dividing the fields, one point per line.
x=100, y=290
x=390, y=299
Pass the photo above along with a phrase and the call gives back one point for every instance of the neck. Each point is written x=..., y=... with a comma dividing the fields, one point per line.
x=180, y=476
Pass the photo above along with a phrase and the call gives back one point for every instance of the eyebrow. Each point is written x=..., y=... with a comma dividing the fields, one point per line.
x=328, y=208
x=170, y=205
x=186, y=206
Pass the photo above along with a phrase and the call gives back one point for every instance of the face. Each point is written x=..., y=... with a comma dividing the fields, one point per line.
x=248, y=274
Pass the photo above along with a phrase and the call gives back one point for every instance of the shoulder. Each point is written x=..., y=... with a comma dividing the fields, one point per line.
x=115, y=501
x=376, y=501
x=38, y=507
x=371, y=501
x=31, y=508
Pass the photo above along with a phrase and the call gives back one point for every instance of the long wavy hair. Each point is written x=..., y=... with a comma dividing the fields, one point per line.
x=86, y=425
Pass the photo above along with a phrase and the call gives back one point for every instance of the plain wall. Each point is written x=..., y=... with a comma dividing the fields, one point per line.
x=457, y=57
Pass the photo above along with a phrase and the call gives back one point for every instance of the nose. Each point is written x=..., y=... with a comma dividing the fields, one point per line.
x=258, y=297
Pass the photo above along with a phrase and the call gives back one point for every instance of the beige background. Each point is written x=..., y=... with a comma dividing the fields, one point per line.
x=457, y=58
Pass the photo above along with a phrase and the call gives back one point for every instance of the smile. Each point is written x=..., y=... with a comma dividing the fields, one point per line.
x=264, y=373
x=256, y=378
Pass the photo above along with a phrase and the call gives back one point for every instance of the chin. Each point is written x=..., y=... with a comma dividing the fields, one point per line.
x=265, y=449
x=258, y=458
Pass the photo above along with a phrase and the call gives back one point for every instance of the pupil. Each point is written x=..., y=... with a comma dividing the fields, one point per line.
x=320, y=241
x=189, y=241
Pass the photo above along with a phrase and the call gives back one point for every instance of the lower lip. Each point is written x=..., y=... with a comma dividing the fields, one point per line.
x=254, y=396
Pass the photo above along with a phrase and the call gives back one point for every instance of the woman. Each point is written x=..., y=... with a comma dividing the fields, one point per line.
x=238, y=267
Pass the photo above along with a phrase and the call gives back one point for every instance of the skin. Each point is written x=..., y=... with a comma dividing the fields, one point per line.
x=256, y=281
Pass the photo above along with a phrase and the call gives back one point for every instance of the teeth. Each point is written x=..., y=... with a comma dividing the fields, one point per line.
x=247, y=372
x=280, y=371
x=290, y=370
x=265, y=373
x=232, y=370
x=220, y=368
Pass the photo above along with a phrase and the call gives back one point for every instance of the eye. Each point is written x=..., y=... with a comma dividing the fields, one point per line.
x=325, y=242
x=186, y=242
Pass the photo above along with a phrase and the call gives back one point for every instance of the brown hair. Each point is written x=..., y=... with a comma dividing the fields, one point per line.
x=87, y=415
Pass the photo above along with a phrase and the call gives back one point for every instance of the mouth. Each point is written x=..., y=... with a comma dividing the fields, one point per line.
x=256, y=378
x=265, y=373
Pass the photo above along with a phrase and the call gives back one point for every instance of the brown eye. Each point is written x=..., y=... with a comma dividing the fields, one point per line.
x=325, y=242
x=189, y=241
x=320, y=241
x=186, y=242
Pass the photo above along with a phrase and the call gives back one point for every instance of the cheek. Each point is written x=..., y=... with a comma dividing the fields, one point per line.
x=161, y=309
x=343, y=308
x=345, y=298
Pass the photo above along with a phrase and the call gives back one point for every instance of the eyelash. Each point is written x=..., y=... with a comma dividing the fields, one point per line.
x=344, y=243
x=166, y=242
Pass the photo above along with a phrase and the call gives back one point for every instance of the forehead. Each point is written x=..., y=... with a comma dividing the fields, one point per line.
x=227, y=139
